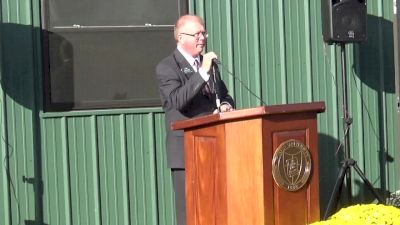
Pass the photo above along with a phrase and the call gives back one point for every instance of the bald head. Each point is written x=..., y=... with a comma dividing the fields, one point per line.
x=186, y=20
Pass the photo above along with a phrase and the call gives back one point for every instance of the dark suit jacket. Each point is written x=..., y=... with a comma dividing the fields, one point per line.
x=182, y=98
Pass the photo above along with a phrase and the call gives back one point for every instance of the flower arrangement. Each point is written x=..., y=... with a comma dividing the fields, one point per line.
x=394, y=199
x=366, y=214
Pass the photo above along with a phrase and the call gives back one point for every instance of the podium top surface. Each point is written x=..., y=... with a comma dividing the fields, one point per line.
x=315, y=107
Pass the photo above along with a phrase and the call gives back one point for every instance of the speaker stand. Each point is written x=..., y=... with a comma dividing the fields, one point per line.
x=348, y=162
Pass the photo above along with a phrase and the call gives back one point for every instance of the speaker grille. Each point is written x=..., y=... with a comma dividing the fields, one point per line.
x=349, y=22
x=344, y=21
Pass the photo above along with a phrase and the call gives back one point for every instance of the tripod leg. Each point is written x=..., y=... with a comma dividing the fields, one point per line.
x=369, y=185
x=337, y=188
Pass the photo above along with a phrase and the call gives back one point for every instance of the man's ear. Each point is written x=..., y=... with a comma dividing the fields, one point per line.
x=179, y=37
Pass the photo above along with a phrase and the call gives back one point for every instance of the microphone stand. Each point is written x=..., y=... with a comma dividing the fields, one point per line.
x=216, y=79
x=348, y=162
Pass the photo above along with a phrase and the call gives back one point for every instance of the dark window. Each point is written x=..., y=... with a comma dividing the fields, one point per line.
x=102, y=53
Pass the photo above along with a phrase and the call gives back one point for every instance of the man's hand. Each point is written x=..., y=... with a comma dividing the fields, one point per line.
x=207, y=61
x=224, y=108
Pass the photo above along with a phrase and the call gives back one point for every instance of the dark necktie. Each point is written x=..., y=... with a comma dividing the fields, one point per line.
x=196, y=65
x=206, y=90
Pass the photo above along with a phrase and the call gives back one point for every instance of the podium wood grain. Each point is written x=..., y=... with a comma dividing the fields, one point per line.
x=228, y=160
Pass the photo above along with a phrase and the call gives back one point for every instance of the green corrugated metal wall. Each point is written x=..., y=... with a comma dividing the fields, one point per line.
x=101, y=168
x=275, y=48
x=107, y=166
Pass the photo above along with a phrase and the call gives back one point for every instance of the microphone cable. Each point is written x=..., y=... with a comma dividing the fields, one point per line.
x=241, y=82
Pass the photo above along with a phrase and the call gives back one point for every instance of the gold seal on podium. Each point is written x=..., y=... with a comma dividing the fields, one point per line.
x=291, y=165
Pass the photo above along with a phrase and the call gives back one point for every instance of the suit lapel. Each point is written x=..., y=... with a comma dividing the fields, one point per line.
x=183, y=64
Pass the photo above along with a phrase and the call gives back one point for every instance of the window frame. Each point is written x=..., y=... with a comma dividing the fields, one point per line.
x=51, y=106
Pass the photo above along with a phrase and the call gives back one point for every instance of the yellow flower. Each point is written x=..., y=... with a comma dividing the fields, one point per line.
x=366, y=214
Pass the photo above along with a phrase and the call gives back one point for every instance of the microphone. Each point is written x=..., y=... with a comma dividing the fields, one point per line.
x=216, y=61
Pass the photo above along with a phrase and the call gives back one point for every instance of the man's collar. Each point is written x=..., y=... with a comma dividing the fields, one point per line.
x=187, y=56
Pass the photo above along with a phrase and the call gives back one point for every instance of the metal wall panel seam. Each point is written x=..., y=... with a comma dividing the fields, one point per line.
x=199, y=6
x=75, y=167
x=165, y=194
x=383, y=142
x=357, y=126
x=17, y=12
x=152, y=167
x=242, y=56
x=142, y=168
x=257, y=58
x=7, y=11
x=391, y=112
x=289, y=19
x=24, y=12
x=24, y=161
x=161, y=166
x=281, y=22
x=53, y=170
x=114, y=168
x=229, y=48
x=5, y=206
x=66, y=171
x=357, y=136
x=209, y=26
x=368, y=158
x=45, y=176
x=105, y=218
x=263, y=50
x=7, y=192
x=13, y=172
x=125, y=178
x=335, y=89
x=234, y=53
x=134, y=204
x=274, y=59
x=86, y=169
x=396, y=17
x=293, y=48
x=143, y=157
x=247, y=52
x=309, y=76
x=96, y=171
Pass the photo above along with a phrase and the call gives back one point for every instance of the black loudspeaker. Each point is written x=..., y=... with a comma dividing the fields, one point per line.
x=344, y=21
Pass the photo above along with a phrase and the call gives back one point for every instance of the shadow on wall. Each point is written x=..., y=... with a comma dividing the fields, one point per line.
x=20, y=76
x=374, y=66
x=330, y=162
x=374, y=58
x=330, y=156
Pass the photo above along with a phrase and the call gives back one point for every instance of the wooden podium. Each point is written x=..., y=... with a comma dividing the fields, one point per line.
x=229, y=163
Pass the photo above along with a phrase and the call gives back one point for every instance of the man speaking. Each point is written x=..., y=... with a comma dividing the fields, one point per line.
x=187, y=90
